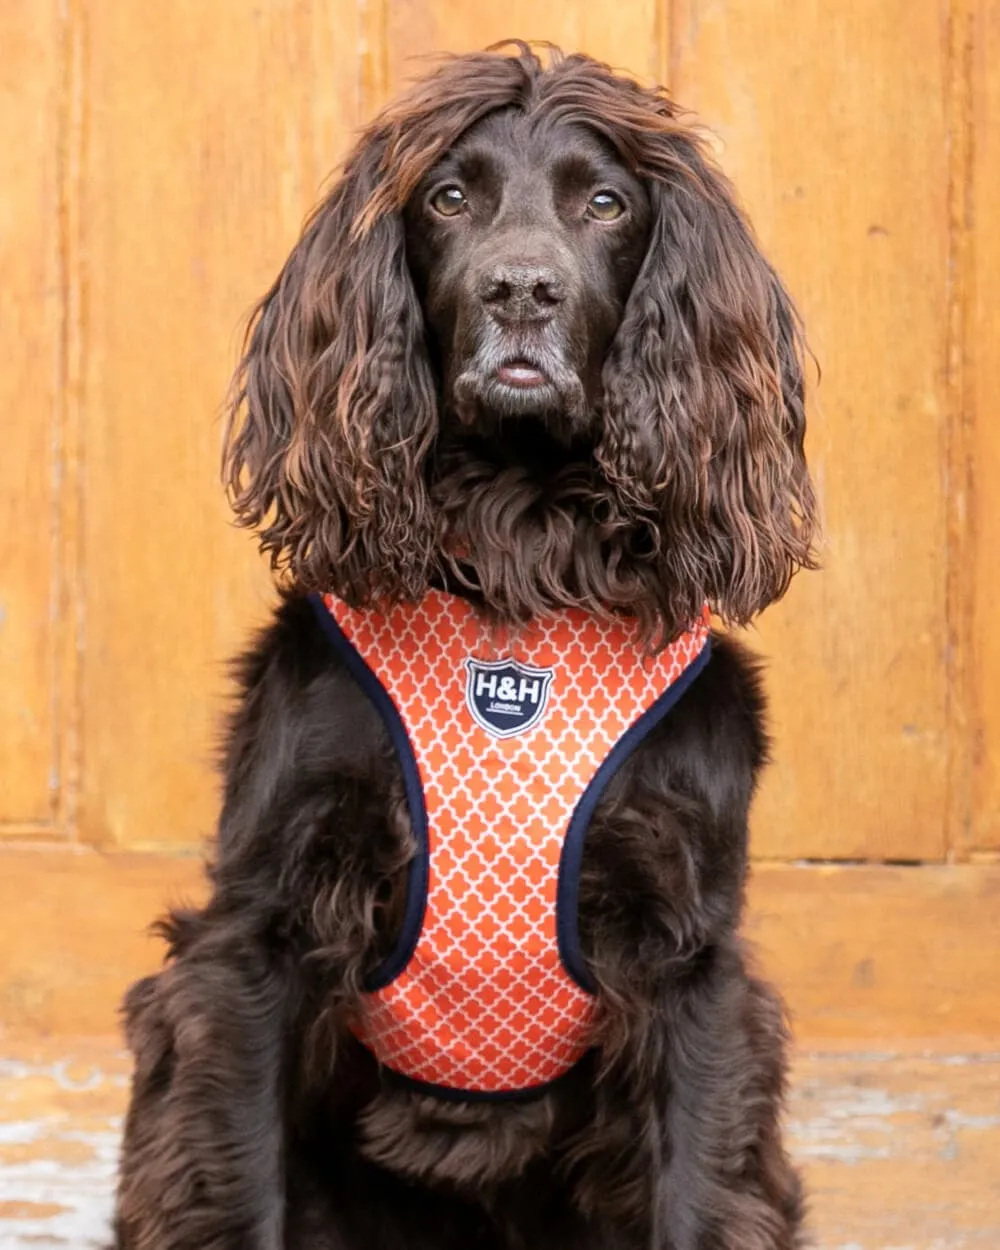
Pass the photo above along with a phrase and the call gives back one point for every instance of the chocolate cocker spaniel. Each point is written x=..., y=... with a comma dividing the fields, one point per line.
x=524, y=404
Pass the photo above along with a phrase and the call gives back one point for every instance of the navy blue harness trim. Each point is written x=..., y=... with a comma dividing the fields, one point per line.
x=571, y=859
x=416, y=883
x=450, y=1093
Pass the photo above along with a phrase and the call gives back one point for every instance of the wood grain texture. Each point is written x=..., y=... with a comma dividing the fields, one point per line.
x=874, y=952
x=211, y=129
x=626, y=35
x=32, y=690
x=984, y=397
x=897, y=1150
x=74, y=933
x=61, y=1109
x=858, y=952
x=831, y=121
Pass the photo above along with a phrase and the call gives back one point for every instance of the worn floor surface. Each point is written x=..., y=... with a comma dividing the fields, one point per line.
x=900, y=1151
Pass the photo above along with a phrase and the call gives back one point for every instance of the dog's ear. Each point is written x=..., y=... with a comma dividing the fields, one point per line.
x=333, y=406
x=704, y=400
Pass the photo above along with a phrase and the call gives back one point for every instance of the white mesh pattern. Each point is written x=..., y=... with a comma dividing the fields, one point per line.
x=485, y=1003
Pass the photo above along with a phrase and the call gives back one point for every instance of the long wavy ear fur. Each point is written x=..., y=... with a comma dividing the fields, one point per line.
x=704, y=398
x=333, y=406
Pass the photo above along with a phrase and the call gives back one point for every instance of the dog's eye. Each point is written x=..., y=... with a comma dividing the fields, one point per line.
x=605, y=206
x=449, y=201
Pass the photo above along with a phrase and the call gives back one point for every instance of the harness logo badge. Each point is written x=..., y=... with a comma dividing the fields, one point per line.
x=505, y=697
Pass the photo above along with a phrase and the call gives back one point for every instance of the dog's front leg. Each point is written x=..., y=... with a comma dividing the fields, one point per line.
x=726, y=1182
x=305, y=839
x=202, y=1155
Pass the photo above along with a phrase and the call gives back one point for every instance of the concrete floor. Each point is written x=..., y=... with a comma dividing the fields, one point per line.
x=900, y=1151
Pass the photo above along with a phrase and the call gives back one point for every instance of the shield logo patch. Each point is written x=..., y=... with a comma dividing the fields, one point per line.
x=506, y=697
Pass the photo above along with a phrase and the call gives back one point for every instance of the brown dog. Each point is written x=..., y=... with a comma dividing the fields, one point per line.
x=527, y=354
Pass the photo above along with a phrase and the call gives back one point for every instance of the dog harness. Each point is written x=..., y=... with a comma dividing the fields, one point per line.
x=506, y=745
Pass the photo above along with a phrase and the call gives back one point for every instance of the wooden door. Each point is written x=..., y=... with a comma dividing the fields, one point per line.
x=157, y=163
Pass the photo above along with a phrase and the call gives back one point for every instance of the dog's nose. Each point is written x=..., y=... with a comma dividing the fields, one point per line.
x=522, y=292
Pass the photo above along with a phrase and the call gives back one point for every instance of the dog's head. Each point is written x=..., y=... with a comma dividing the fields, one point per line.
x=528, y=342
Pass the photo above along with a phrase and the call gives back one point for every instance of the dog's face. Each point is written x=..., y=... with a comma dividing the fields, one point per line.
x=524, y=242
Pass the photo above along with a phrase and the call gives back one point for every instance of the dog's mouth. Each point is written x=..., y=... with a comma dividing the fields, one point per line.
x=522, y=374
x=508, y=384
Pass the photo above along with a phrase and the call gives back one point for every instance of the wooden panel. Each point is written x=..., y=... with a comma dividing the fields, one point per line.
x=832, y=124
x=88, y=917
x=624, y=34
x=858, y=952
x=207, y=131
x=31, y=415
x=211, y=129
x=984, y=331
x=875, y=952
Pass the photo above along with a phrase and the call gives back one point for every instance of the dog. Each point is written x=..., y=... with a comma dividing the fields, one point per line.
x=526, y=365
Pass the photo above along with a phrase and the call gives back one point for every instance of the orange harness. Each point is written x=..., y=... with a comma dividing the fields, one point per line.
x=505, y=751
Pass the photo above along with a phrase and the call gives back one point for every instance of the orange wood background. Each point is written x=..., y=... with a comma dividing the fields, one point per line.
x=156, y=162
